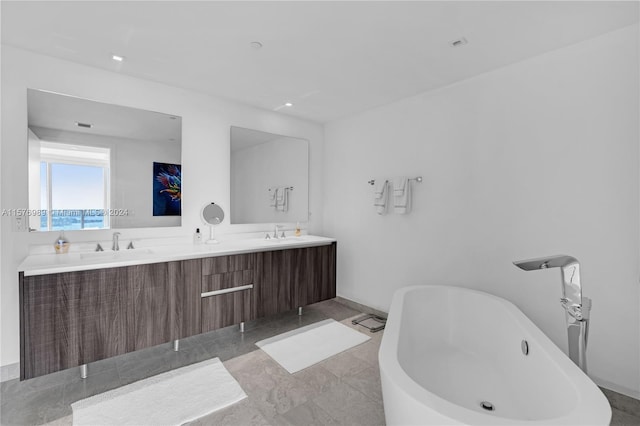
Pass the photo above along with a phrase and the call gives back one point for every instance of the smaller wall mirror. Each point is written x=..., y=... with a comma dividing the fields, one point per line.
x=269, y=177
x=212, y=215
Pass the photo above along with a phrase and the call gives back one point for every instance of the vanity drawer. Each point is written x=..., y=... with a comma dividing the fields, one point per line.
x=224, y=264
x=226, y=281
x=227, y=299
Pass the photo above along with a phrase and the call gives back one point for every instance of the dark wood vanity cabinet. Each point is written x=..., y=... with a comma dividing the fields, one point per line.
x=186, y=278
x=227, y=287
x=274, y=273
x=73, y=318
x=287, y=279
x=314, y=275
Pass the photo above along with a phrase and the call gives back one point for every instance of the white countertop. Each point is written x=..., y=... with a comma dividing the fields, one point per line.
x=41, y=264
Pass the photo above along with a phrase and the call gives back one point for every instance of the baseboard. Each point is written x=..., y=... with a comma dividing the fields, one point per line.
x=616, y=388
x=360, y=307
x=9, y=372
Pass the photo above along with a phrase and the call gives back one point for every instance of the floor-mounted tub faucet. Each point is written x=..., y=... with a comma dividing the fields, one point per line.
x=577, y=308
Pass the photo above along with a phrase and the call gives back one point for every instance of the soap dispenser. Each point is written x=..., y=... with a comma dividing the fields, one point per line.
x=298, y=232
x=197, y=237
x=61, y=244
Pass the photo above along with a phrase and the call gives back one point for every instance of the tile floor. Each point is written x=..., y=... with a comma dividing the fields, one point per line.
x=342, y=390
x=347, y=385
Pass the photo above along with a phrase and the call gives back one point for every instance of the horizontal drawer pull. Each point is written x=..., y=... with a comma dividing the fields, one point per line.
x=226, y=290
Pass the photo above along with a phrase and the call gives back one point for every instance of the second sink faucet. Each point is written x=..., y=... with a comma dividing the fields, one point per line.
x=115, y=246
x=276, y=230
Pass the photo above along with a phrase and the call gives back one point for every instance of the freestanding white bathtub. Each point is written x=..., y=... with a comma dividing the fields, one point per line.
x=447, y=351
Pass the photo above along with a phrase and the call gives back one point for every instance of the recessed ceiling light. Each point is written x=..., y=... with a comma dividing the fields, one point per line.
x=256, y=45
x=117, y=58
x=288, y=104
x=458, y=42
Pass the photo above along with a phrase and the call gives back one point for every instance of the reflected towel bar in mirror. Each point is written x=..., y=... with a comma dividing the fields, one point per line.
x=417, y=179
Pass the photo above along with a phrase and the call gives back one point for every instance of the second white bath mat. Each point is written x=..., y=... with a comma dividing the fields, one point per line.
x=305, y=346
x=170, y=398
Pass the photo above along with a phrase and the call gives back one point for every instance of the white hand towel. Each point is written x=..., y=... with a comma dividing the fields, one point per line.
x=399, y=186
x=402, y=195
x=282, y=202
x=272, y=196
x=380, y=196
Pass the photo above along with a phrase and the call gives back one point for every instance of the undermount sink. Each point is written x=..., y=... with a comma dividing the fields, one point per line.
x=120, y=254
x=286, y=241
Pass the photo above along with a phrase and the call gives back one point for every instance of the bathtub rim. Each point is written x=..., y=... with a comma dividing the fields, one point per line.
x=591, y=405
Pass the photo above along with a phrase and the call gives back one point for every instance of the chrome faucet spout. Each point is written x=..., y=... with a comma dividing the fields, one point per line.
x=576, y=307
x=570, y=267
x=115, y=246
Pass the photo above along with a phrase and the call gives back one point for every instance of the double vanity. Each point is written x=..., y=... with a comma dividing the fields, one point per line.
x=84, y=306
x=78, y=308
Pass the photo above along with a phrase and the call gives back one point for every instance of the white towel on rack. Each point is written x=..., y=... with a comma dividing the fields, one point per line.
x=401, y=195
x=273, y=192
x=282, y=199
x=399, y=186
x=380, y=196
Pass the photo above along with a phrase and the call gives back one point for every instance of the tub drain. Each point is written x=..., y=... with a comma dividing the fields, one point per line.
x=487, y=405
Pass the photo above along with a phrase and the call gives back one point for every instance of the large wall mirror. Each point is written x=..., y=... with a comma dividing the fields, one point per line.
x=269, y=177
x=94, y=165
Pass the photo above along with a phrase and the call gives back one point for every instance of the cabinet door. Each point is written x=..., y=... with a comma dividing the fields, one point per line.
x=315, y=274
x=153, y=305
x=323, y=278
x=185, y=278
x=72, y=318
x=273, y=282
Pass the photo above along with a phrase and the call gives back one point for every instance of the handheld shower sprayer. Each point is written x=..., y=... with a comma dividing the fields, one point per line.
x=577, y=308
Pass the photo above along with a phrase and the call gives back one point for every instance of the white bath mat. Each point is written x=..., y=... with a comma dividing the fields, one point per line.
x=301, y=348
x=170, y=398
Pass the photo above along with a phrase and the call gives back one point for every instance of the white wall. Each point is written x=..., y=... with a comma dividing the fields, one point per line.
x=537, y=158
x=206, y=123
x=280, y=162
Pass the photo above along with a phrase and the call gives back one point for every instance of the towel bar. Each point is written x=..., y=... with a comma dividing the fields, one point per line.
x=417, y=179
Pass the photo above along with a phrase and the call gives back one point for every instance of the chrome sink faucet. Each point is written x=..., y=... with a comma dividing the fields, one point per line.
x=115, y=246
x=275, y=231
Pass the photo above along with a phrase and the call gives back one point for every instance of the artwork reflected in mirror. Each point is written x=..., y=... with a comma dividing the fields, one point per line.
x=167, y=189
x=269, y=177
x=92, y=165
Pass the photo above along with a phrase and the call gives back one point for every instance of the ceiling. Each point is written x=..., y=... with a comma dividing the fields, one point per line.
x=330, y=59
x=242, y=138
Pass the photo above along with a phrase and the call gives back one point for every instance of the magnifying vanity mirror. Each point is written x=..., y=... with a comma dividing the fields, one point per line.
x=269, y=177
x=212, y=215
x=94, y=165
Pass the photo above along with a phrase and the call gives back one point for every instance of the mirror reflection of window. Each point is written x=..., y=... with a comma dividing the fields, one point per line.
x=74, y=187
